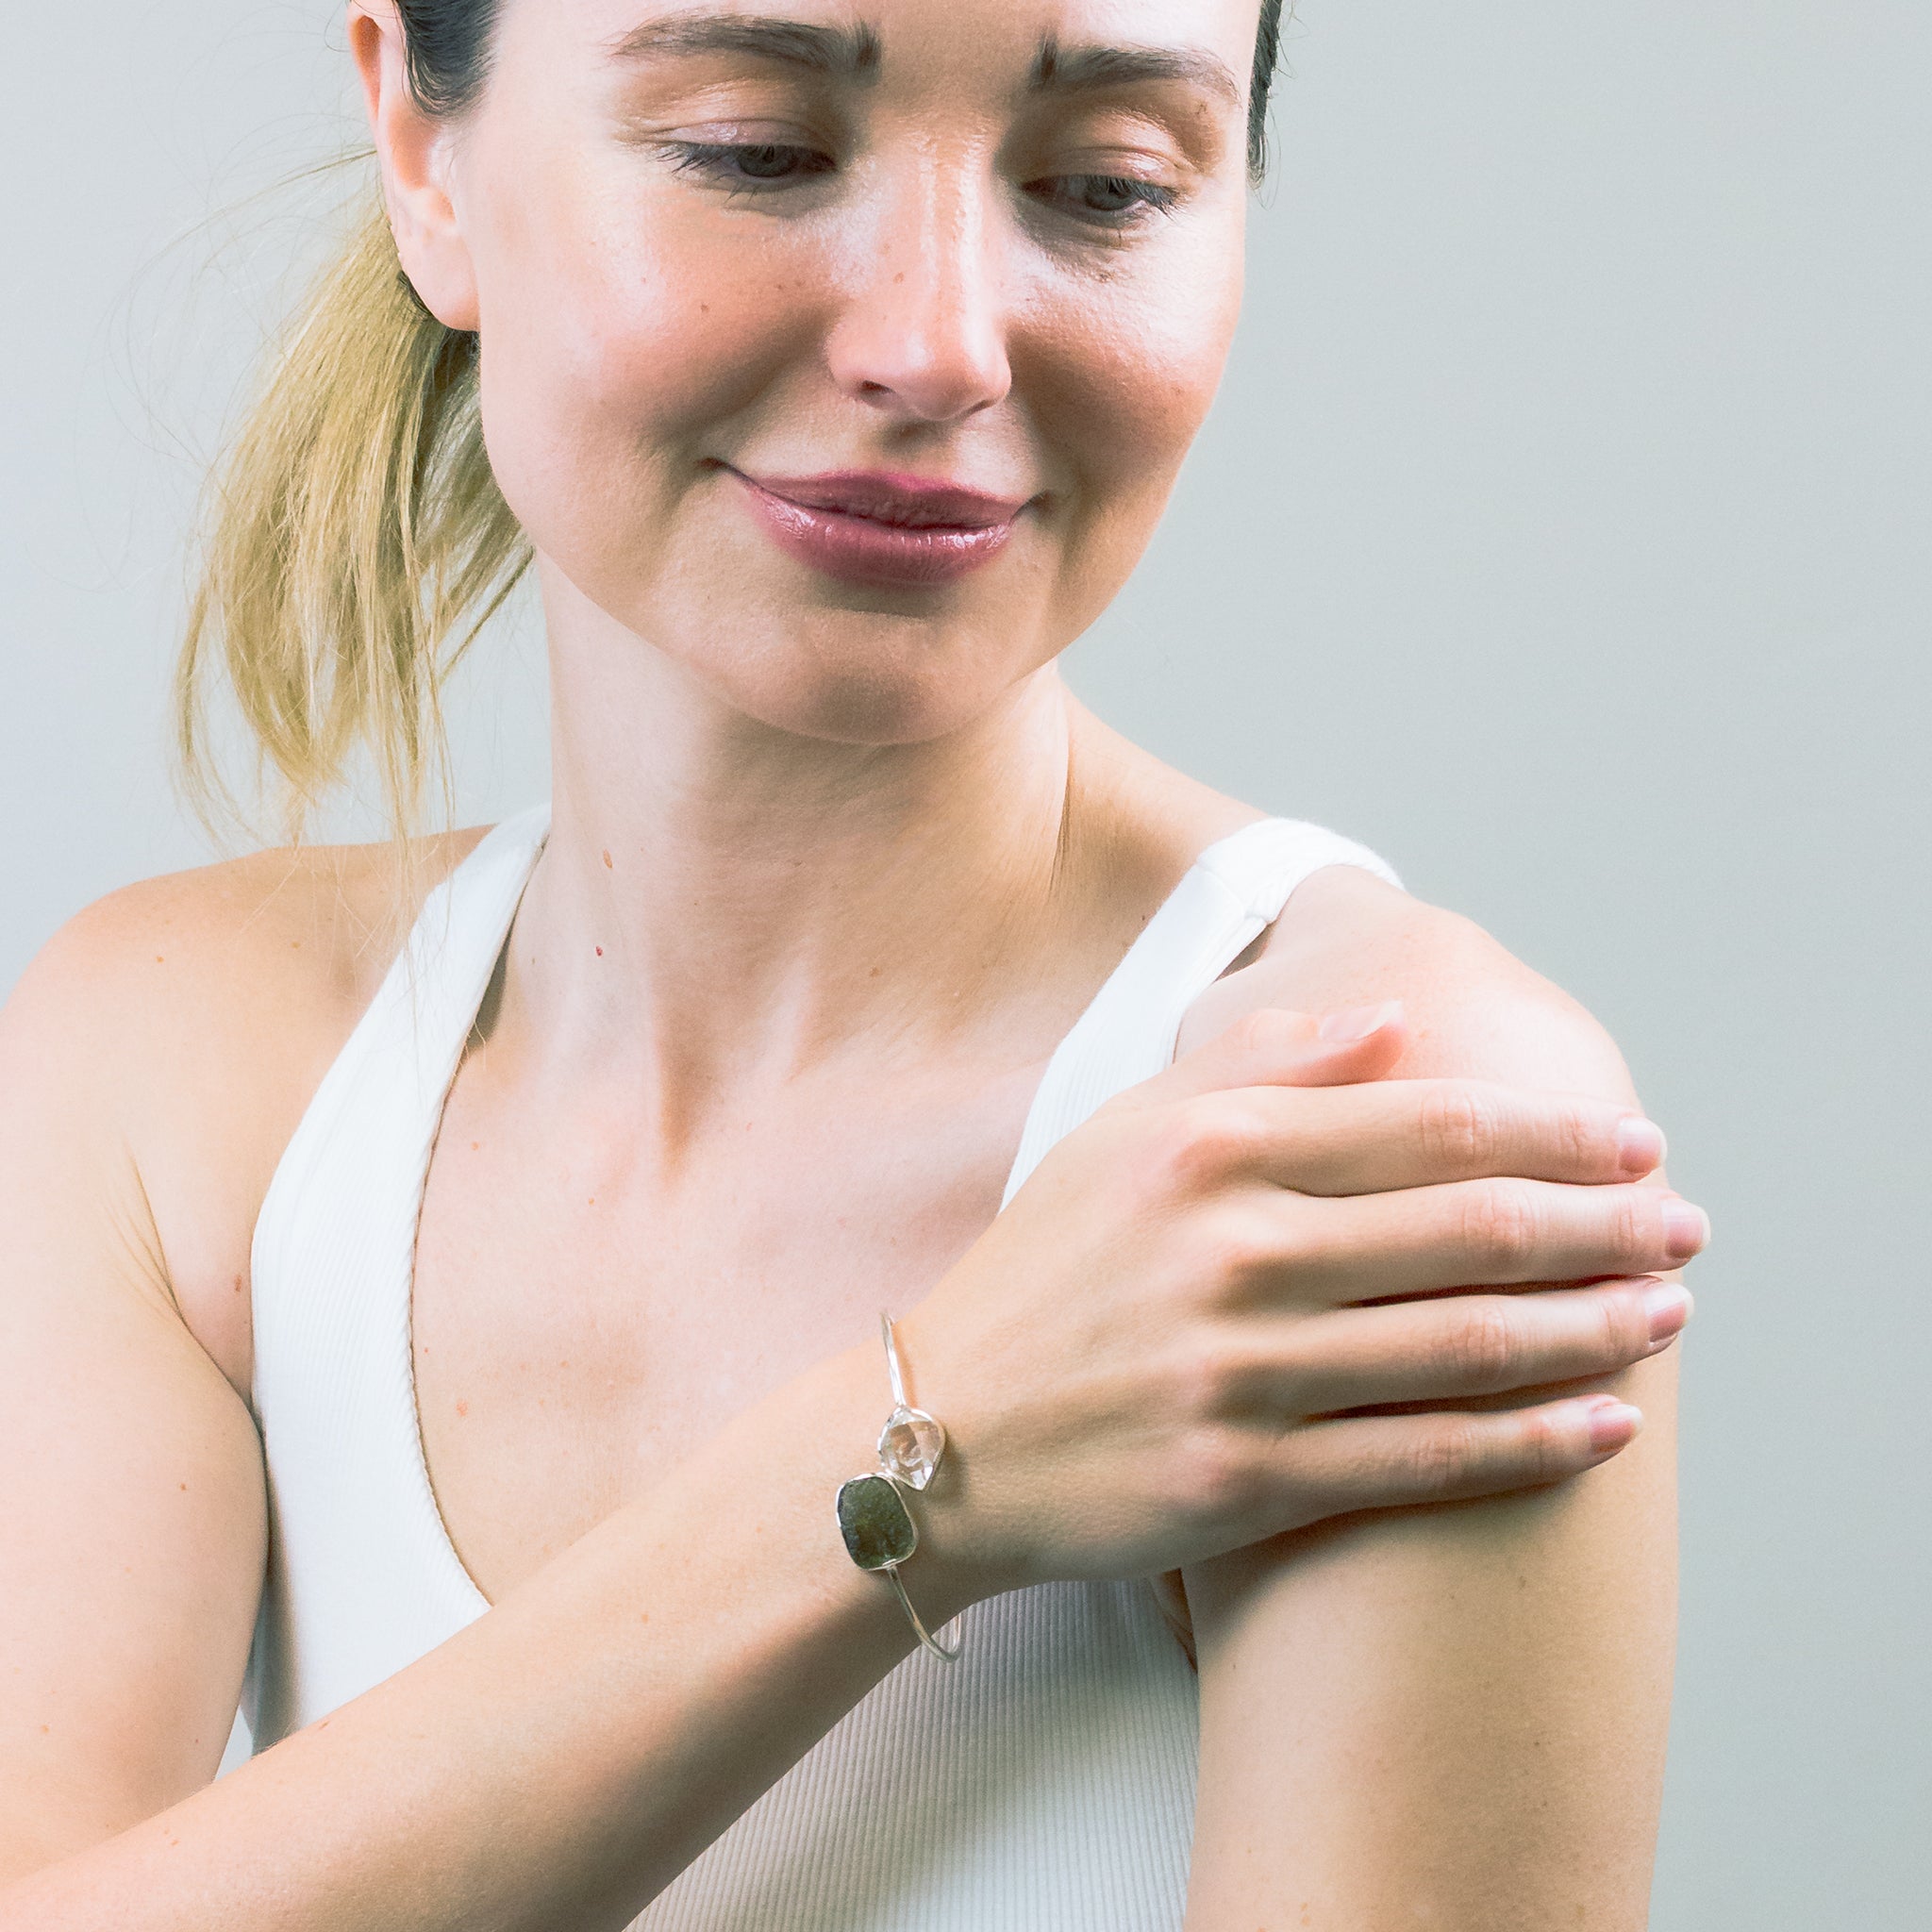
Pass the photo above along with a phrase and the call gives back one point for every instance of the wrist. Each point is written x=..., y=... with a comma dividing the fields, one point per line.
x=786, y=1460
x=897, y=1509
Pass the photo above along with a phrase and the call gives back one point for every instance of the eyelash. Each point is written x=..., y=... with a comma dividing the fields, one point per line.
x=717, y=161
x=712, y=157
x=1144, y=198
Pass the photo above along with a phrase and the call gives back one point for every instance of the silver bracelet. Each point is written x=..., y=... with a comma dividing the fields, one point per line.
x=877, y=1526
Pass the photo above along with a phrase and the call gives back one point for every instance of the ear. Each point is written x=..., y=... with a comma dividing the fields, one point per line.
x=413, y=149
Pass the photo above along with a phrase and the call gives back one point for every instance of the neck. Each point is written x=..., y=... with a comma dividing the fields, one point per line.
x=723, y=906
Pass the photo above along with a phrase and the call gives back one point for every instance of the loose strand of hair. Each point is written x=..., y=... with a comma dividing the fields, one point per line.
x=356, y=545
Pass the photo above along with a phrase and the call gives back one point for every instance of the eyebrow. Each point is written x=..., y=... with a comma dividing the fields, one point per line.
x=854, y=52
x=1083, y=70
x=850, y=52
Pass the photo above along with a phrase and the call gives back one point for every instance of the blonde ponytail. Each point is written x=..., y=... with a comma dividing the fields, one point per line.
x=355, y=528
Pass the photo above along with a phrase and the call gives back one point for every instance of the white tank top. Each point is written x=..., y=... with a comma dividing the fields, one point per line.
x=1043, y=1783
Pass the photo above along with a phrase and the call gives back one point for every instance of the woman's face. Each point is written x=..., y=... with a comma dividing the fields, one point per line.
x=755, y=289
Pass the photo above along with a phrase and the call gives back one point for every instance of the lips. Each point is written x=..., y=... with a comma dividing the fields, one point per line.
x=882, y=527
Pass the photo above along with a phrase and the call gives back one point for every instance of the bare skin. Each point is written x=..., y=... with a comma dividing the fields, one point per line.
x=831, y=875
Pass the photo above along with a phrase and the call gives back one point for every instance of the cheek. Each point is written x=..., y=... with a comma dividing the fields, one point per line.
x=619, y=333
x=1121, y=371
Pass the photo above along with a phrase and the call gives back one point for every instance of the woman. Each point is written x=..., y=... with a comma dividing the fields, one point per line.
x=835, y=364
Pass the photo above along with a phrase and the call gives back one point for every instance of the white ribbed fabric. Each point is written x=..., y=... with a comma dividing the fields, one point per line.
x=1045, y=1783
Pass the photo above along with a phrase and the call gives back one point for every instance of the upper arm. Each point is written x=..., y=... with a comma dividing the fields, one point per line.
x=132, y=1518
x=1451, y=1716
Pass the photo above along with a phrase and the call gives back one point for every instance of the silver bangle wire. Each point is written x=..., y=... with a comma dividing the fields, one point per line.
x=893, y=1368
x=926, y=1637
x=927, y=1640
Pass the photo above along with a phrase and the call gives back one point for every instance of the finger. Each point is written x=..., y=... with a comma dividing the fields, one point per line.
x=1479, y=1344
x=1371, y=1463
x=1276, y=1047
x=1364, y=1247
x=1376, y=1137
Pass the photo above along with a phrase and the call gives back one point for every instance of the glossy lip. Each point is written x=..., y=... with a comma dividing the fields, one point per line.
x=879, y=527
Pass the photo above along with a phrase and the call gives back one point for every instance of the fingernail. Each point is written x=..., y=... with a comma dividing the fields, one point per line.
x=1356, y=1023
x=1667, y=1307
x=1686, y=1229
x=1639, y=1145
x=1612, y=1424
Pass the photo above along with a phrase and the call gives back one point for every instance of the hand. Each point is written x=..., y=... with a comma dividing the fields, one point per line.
x=1142, y=1363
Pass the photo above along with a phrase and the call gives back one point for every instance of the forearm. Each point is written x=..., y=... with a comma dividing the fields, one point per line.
x=1452, y=1716
x=560, y=1760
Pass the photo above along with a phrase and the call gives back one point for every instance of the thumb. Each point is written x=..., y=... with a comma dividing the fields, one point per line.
x=1277, y=1047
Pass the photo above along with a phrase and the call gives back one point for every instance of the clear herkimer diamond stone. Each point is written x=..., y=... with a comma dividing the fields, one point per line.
x=910, y=1446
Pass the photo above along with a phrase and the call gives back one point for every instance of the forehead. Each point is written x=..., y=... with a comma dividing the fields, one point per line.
x=880, y=40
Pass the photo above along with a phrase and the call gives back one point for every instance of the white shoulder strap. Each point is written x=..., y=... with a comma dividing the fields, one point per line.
x=1231, y=894
x=361, y=1576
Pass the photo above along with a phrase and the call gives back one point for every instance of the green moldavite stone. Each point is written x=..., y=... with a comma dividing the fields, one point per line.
x=872, y=1517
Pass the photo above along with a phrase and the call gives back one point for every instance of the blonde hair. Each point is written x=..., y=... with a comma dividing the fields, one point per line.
x=354, y=529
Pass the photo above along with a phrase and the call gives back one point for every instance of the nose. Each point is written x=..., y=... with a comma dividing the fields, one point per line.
x=922, y=335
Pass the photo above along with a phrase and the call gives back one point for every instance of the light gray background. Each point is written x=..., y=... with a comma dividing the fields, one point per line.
x=1561, y=531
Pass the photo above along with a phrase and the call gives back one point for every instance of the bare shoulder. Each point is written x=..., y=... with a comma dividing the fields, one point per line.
x=179, y=1026
x=1473, y=1011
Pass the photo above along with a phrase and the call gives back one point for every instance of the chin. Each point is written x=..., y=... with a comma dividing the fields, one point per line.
x=858, y=696
x=799, y=651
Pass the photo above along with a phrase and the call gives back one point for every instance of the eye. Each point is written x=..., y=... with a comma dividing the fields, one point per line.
x=1113, y=201
x=749, y=164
